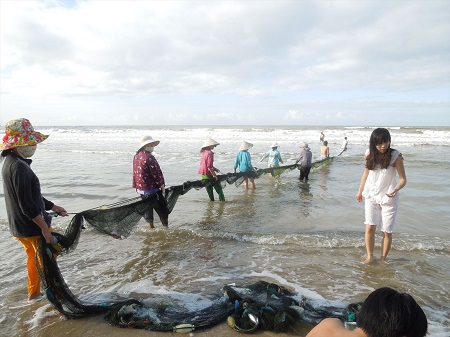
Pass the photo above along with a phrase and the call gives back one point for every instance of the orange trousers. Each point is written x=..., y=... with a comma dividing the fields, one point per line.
x=31, y=245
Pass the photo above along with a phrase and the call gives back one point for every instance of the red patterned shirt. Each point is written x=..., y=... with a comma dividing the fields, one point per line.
x=147, y=174
x=206, y=162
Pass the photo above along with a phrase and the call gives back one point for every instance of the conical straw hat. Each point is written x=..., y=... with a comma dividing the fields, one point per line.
x=245, y=146
x=147, y=140
x=209, y=142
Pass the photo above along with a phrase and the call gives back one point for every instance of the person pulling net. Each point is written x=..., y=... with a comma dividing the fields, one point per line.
x=118, y=220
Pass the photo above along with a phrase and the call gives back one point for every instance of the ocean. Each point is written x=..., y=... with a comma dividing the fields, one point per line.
x=306, y=237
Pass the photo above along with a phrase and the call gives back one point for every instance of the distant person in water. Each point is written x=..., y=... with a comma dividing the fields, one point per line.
x=324, y=150
x=322, y=136
x=26, y=208
x=344, y=144
x=381, y=191
x=305, y=161
x=243, y=162
x=384, y=313
x=208, y=170
x=148, y=179
x=274, y=156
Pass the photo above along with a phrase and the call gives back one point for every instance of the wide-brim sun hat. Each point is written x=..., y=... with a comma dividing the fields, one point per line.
x=20, y=132
x=148, y=140
x=209, y=142
x=275, y=144
x=245, y=146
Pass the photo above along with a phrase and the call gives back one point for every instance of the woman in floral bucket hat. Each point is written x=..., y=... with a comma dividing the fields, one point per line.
x=26, y=207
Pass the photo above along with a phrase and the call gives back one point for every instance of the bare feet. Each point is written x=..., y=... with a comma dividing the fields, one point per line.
x=152, y=225
x=383, y=260
x=369, y=259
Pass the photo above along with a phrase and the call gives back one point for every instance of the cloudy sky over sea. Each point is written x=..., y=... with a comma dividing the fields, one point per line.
x=253, y=62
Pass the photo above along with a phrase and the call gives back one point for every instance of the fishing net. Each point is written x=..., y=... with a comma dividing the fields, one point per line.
x=271, y=307
x=246, y=308
x=120, y=218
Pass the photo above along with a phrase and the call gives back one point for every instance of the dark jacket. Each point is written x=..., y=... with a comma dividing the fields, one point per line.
x=23, y=197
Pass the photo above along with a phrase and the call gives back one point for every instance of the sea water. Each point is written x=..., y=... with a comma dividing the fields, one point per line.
x=307, y=237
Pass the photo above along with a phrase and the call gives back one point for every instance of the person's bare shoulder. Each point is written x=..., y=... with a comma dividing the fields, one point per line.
x=330, y=327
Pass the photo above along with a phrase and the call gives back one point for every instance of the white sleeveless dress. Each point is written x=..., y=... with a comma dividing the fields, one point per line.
x=381, y=181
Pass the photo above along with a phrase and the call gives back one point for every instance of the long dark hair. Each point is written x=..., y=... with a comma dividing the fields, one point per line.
x=378, y=136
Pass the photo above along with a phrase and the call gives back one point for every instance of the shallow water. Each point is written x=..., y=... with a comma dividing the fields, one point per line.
x=308, y=237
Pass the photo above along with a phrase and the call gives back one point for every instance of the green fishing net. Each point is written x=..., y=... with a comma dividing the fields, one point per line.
x=245, y=308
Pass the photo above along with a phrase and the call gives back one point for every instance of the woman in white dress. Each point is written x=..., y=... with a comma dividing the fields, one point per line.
x=380, y=188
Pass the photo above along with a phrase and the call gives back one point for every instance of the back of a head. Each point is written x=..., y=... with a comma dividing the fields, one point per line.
x=388, y=313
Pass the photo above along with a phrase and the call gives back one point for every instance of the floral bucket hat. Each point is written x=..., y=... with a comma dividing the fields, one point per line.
x=20, y=132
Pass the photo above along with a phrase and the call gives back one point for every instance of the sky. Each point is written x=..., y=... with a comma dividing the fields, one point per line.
x=245, y=62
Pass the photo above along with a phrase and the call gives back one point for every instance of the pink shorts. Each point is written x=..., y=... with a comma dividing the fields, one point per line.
x=382, y=216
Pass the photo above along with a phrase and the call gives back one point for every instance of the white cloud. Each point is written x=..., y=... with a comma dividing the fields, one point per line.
x=255, y=57
x=294, y=115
